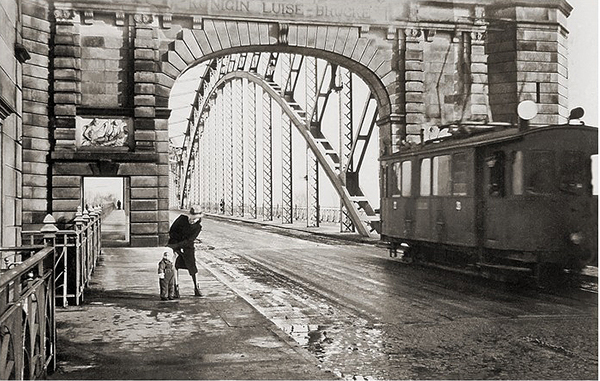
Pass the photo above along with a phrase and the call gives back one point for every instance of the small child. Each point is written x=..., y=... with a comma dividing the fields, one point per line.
x=166, y=278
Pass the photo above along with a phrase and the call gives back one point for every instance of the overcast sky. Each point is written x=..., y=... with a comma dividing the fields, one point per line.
x=583, y=58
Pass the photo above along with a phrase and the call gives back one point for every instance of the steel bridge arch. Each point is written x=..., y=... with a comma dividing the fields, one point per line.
x=302, y=127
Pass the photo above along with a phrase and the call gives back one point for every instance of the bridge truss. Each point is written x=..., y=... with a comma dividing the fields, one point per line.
x=219, y=167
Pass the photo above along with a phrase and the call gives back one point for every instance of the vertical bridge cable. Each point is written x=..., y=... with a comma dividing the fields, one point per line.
x=312, y=164
x=205, y=200
x=238, y=124
x=267, y=157
x=220, y=139
x=214, y=157
x=228, y=147
x=346, y=136
x=251, y=103
x=286, y=151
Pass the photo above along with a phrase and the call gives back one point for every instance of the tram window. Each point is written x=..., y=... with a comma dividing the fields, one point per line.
x=594, y=163
x=406, y=178
x=495, y=163
x=441, y=175
x=573, y=172
x=426, y=177
x=394, y=179
x=517, y=173
x=459, y=174
x=540, y=172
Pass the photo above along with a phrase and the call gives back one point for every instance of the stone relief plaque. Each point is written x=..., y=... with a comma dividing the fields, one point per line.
x=102, y=132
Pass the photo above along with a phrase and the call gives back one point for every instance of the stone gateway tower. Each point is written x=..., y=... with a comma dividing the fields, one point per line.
x=84, y=86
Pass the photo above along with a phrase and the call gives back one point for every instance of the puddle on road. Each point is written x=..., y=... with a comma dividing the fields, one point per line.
x=330, y=345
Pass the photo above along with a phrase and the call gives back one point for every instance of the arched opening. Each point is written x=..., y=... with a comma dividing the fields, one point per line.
x=344, y=117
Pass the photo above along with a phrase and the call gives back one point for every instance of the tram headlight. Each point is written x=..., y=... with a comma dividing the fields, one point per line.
x=576, y=238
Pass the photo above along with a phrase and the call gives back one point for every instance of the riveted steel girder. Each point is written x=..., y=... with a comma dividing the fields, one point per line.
x=312, y=164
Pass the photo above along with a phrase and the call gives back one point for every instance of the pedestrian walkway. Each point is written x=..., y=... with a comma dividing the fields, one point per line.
x=114, y=228
x=124, y=331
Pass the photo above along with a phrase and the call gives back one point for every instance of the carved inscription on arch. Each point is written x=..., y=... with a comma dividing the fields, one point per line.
x=328, y=10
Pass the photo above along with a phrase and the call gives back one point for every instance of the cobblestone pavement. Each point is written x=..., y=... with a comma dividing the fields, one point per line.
x=366, y=316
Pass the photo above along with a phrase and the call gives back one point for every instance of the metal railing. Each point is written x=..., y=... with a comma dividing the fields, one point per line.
x=77, y=249
x=52, y=266
x=27, y=325
x=326, y=215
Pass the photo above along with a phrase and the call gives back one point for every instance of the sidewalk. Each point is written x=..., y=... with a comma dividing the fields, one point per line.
x=124, y=330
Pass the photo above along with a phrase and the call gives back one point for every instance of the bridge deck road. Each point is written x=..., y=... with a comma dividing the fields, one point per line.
x=364, y=315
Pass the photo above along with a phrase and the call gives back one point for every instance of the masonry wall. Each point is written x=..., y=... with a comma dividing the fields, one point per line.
x=528, y=61
x=36, y=109
x=11, y=122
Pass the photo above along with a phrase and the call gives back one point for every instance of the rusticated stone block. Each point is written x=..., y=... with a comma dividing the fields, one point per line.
x=70, y=98
x=144, y=205
x=163, y=227
x=35, y=143
x=147, y=43
x=35, y=95
x=35, y=167
x=144, y=112
x=144, y=100
x=67, y=86
x=80, y=169
x=144, y=145
x=67, y=110
x=34, y=130
x=67, y=63
x=140, y=66
x=144, y=124
x=163, y=204
x=144, y=88
x=66, y=205
x=35, y=180
x=92, y=41
x=144, y=193
x=34, y=192
x=39, y=23
x=67, y=51
x=34, y=156
x=64, y=122
x=144, y=77
x=64, y=134
x=67, y=39
x=143, y=216
x=144, y=228
x=143, y=181
x=144, y=241
x=139, y=169
x=35, y=107
x=64, y=193
x=145, y=54
x=66, y=181
x=163, y=181
x=67, y=74
x=144, y=135
x=35, y=71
